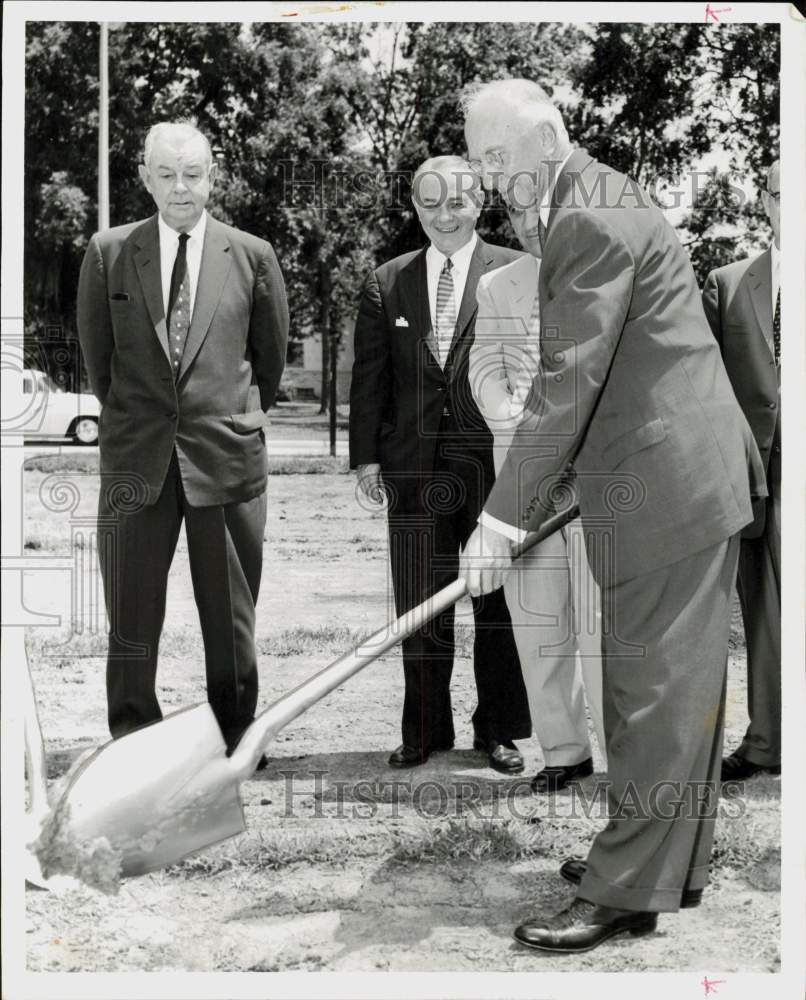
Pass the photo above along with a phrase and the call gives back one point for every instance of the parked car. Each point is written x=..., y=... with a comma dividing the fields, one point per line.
x=56, y=413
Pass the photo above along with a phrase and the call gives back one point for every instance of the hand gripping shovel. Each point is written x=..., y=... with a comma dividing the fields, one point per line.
x=153, y=797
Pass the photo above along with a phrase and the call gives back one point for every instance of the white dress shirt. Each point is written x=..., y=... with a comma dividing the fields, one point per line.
x=434, y=262
x=169, y=245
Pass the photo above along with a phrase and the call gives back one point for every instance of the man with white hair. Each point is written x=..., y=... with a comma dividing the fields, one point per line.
x=183, y=325
x=632, y=394
x=743, y=305
x=416, y=433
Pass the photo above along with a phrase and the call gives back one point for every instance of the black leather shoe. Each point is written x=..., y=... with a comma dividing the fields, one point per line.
x=554, y=779
x=583, y=926
x=573, y=869
x=503, y=755
x=406, y=756
x=737, y=768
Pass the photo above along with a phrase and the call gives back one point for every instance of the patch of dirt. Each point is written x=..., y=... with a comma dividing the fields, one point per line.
x=347, y=865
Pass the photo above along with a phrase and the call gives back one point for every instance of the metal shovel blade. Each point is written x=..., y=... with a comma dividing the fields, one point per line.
x=156, y=795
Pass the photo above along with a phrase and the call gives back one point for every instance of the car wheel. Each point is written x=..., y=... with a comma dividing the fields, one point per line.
x=85, y=430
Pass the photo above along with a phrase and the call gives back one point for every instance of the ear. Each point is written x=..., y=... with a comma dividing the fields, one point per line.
x=548, y=137
x=142, y=170
x=213, y=172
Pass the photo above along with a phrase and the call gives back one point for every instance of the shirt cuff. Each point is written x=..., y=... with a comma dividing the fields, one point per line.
x=508, y=530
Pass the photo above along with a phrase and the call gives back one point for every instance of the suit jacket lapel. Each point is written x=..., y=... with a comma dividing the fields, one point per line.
x=147, y=262
x=759, y=280
x=215, y=267
x=414, y=292
x=479, y=263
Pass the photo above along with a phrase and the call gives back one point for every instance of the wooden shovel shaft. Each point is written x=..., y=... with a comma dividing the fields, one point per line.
x=245, y=758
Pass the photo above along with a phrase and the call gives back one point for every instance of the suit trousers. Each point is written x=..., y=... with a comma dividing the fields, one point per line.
x=663, y=716
x=225, y=550
x=554, y=604
x=427, y=529
x=759, y=586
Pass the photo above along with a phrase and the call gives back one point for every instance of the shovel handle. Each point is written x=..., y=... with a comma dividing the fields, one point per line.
x=34, y=750
x=287, y=708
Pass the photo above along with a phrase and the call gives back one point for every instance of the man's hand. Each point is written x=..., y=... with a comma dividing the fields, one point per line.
x=485, y=561
x=369, y=481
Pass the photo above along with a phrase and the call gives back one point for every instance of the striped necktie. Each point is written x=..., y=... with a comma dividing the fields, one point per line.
x=530, y=362
x=776, y=329
x=446, y=311
x=179, y=304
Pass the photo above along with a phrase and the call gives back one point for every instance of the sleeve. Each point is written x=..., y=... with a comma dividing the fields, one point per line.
x=710, y=303
x=587, y=292
x=94, y=321
x=268, y=327
x=371, y=383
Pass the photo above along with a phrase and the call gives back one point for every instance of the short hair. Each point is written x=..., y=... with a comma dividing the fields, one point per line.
x=453, y=165
x=525, y=97
x=184, y=130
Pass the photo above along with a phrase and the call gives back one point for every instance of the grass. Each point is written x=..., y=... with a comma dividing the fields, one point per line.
x=298, y=641
x=299, y=465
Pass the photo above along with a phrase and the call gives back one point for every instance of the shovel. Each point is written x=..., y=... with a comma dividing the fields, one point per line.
x=168, y=790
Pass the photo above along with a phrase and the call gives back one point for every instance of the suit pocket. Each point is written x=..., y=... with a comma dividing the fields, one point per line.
x=634, y=441
x=246, y=423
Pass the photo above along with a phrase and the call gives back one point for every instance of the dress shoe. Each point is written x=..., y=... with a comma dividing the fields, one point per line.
x=737, y=768
x=554, y=779
x=583, y=926
x=503, y=755
x=406, y=756
x=573, y=869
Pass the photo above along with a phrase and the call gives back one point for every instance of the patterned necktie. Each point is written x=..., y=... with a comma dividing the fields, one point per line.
x=179, y=304
x=446, y=311
x=530, y=360
x=542, y=232
x=776, y=329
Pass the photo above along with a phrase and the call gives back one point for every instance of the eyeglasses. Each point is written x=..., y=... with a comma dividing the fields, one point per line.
x=776, y=196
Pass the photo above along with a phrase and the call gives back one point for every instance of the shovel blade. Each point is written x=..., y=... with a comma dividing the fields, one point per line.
x=155, y=795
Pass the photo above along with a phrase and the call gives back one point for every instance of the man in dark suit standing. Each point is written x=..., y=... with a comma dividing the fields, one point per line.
x=743, y=303
x=183, y=325
x=416, y=433
x=633, y=395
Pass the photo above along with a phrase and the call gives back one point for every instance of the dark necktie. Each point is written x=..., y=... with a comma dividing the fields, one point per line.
x=541, y=233
x=776, y=328
x=179, y=304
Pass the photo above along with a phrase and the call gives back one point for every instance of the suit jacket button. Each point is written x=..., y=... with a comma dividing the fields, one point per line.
x=772, y=406
x=171, y=416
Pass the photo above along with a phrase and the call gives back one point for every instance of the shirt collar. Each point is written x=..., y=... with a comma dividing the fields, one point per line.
x=460, y=258
x=775, y=253
x=545, y=205
x=169, y=235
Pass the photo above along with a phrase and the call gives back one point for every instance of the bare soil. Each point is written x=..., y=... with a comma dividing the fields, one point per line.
x=348, y=865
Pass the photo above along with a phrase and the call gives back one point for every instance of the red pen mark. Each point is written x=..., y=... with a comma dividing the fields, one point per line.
x=710, y=12
x=711, y=984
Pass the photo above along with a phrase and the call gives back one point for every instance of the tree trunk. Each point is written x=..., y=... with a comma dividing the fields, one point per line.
x=324, y=328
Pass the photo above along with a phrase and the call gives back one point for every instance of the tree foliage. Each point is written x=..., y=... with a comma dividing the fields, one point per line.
x=318, y=128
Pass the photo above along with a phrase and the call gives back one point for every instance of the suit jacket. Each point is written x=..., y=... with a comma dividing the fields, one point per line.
x=504, y=357
x=738, y=303
x=213, y=413
x=632, y=389
x=399, y=391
